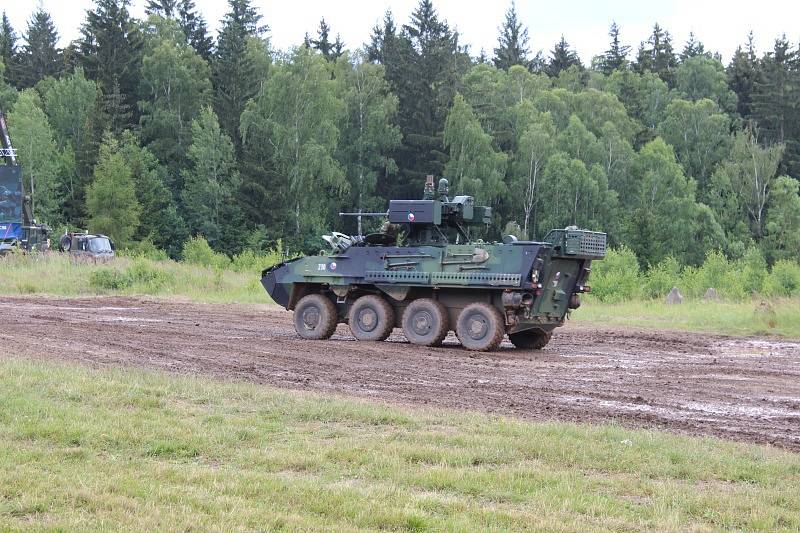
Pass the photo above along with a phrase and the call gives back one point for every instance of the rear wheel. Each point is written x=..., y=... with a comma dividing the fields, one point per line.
x=315, y=317
x=371, y=318
x=532, y=339
x=480, y=327
x=425, y=322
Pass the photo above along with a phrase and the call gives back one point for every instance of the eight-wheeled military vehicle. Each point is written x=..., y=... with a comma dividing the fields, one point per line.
x=425, y=274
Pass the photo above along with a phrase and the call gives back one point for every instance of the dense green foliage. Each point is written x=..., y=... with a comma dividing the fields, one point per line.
x=671, y=152
x=618, y=278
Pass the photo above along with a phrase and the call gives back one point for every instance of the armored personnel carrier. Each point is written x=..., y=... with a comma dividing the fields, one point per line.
x=425, y=274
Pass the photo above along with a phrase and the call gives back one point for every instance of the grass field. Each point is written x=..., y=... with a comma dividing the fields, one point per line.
x=87, y=449
x=57, y=275
x=754, y=317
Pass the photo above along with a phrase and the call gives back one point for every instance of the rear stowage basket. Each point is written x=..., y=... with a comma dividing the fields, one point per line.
x=577, y=243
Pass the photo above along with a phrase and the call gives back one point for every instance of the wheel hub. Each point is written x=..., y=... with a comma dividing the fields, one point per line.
x=367, y=319
x=478, y=326
x=311, y=317
x=422, y=323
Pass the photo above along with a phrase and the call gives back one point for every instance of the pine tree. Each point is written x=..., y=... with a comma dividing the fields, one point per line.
x=512, y=43
x=8, y=48
x=693, y=48
x=616, y=56
x=772, y=107
x=233, y=70
x=322, y=43
x=742, y=72
x=110, y=52
x=39, y=57
x=425, y=79
x=561, y=58
x=163, y=8
x=658, y=56
x=195, y=28
x=381, y=40
x=776, y=102
x=330, y=50
x=115, y=115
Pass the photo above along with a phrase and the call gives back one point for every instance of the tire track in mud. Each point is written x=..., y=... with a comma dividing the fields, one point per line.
x=738, y=388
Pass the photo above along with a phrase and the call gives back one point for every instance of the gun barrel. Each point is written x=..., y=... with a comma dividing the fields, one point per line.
x=363, y=214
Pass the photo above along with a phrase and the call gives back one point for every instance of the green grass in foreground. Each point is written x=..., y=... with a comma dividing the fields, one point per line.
x=84, y=449
x=756, y=317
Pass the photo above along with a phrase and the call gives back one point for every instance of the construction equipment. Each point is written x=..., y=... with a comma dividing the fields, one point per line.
x=425, y=274
x=18, y=227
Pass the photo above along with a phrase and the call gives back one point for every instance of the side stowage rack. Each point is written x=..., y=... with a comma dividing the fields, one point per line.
x=577, y=243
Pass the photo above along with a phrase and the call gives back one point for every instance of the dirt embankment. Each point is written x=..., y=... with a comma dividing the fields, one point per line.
x=739, y=388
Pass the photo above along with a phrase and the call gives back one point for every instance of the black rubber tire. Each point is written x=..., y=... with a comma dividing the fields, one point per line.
x=425, y=322
x=371, y=318
x=315, y=317
x=480, y=327
x=532, y=339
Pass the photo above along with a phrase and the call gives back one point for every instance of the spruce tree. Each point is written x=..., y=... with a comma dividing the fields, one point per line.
x=512, y=43
x=657, y=55
x=163, y=8
x=195, y=28
x=8, y=48
x=772, y=107
x=233, y=69
x=382, y=39
x=110, y=51
x=776, y=107
x=428, y=63
x=616, y=56
x=330, y=50
x=742, y=72
x=561, y=58
x=39, y=57
x=693, y=48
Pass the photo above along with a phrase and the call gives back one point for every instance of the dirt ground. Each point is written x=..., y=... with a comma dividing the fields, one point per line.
x=745, y=389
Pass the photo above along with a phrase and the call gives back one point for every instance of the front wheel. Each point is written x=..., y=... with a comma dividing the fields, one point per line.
x=480, y=327
x=532, y=339
x=315, y=317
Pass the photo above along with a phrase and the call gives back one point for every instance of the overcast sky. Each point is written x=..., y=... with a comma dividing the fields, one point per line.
x=721, y=25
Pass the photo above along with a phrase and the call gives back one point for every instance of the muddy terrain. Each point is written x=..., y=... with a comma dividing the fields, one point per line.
x=746, y=389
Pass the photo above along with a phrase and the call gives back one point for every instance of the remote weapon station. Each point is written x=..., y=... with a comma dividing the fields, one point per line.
x=424, y=274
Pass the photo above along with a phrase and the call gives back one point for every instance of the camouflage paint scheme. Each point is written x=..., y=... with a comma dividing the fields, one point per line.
x=532, y=284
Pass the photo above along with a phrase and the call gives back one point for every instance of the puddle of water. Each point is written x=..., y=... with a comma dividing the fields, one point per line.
x=128, y=319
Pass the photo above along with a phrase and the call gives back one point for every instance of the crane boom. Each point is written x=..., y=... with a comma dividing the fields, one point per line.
x=6, y=150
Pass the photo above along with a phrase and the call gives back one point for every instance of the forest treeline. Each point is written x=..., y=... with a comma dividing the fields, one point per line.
x=152, y=131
